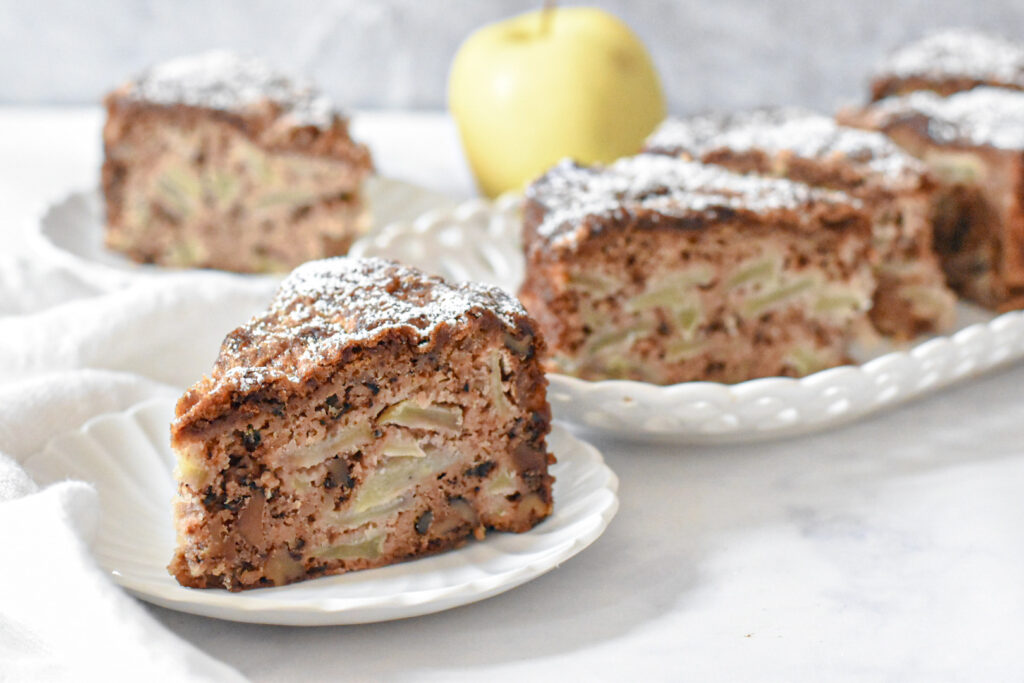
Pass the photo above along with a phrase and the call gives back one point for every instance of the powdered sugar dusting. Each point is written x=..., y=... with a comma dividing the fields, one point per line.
x=248, y=379
x=327, y=305
x=663, y=184
x=958, y=53
x=982, y=116
x=230, y=82
x=799, y=132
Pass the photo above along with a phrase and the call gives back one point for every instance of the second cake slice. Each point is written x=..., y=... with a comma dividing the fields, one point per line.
x=663, y=270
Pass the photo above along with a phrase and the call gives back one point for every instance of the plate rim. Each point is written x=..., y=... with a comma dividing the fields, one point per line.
x=248, y=606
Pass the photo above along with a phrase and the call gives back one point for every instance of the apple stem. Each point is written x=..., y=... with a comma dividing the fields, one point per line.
x=546, y=14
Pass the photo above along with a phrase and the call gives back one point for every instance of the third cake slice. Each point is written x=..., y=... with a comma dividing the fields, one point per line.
x=948, y=61
x=912, y=297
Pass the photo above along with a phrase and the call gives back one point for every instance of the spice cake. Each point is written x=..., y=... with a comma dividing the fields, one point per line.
x=371, y=415
x=216, y=161
x=665, y=270
x=973, y=142
x=949, y=61
x=912, y=297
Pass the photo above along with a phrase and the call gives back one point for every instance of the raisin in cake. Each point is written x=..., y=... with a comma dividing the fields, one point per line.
x=949, y=61
x=215, y=161
x=973, y=142
x=664, y=270
x=371, y=415
x=912, y=297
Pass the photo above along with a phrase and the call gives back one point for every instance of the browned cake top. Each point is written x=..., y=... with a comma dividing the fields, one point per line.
x=957, y=54
x=230, y=82
x=799, y=132
x=983, y=116
x=581, y=200
x=325, y=307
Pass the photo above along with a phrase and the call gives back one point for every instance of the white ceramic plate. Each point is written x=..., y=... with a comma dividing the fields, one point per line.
x=71, y=231
x=128, y=458
x=480, y=241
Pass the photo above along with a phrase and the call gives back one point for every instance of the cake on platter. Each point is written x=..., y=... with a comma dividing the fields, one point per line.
x=911, y=297
x=664, y=270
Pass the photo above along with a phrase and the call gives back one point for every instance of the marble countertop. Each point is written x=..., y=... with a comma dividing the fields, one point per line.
x=886, y=550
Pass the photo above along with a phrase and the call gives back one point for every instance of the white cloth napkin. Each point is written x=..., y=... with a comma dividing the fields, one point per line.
x=69, y=353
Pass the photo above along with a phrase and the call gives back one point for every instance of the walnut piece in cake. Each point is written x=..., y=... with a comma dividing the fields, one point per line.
x=912, y=297
x=373, y=414
x=949, y=61
x=664, y=270
x=215, y=161
x=973, y=142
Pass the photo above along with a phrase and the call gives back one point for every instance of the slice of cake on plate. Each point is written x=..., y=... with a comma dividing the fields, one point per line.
x=373, y=414
x=216, y=161
x=664, y=270
x=949, y=61
x=912, y=297
x=973, y=142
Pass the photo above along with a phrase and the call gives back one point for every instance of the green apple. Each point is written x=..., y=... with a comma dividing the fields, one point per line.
x=560, y=82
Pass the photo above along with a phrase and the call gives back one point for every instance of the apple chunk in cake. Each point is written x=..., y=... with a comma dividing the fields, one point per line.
x=664, y=270
x=371, y=415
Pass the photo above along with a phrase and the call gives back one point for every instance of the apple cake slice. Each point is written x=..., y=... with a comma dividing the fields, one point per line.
x=665, y=270
x=949, y=61
x=373, y=414
x=215, y=161
x=973, y=142
x=911, y=297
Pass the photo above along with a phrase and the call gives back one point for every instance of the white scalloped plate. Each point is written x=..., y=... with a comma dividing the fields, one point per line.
x=480, y=241
x=71, y=231
x=128, y=458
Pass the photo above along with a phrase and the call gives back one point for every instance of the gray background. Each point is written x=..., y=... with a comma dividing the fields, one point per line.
x=395, y=53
